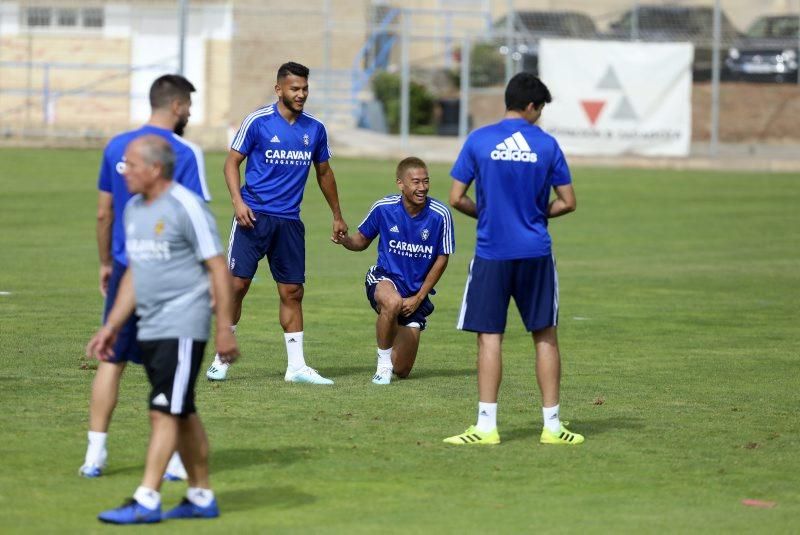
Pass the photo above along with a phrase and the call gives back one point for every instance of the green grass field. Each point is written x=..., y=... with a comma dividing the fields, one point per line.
x=679, y=335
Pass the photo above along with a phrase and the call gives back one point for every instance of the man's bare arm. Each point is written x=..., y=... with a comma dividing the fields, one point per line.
x=327, y=184
x=233, y=179
x=564, y=202
x=460, y=201
x=105, y=222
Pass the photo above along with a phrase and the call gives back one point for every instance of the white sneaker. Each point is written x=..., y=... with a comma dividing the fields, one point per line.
x=175, y=469
x=218, y=370
x=383, y=376
x=306, y=374
x=92, y=470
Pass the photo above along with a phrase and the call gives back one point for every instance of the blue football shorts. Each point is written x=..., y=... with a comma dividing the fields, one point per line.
x=126, y=349
x=532, y=282
x=280, y=239
x=418, y=319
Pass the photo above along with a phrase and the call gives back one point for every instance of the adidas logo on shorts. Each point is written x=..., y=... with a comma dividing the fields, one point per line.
x=514, y=149
x=161, y=400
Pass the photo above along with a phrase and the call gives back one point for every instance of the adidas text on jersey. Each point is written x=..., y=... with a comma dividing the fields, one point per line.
x=514, y=149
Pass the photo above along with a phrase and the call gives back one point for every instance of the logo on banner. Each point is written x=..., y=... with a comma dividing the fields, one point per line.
x=623, y=110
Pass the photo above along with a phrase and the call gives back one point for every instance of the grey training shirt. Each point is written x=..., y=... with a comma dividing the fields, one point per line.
x=167, y=242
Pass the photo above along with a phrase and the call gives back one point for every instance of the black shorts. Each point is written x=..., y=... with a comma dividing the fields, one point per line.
x=172, y=366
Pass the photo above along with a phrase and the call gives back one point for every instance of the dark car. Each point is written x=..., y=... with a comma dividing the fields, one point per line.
x=767, y=52
x=670, y=23
x=530, y=26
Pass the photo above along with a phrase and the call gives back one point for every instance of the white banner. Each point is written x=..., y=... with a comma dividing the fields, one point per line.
x=612, y=97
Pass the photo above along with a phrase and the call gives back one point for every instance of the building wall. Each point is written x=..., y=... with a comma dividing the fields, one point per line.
x=51, y=62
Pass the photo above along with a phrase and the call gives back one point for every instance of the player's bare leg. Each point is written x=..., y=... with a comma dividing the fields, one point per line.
x=291, y=307
x=193, y=447
x=548, y=375
x=163, y=441
x=490, y=366
x=105, y=393
x=240, y=288
x=390, y=303
x=404, y=354
x=218, y=370
x=146, y=504
x=548, y=365
x=291, y=317
x=490, y=373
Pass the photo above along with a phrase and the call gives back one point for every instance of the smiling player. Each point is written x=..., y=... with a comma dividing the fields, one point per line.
x=416, y=241
x=280, y=142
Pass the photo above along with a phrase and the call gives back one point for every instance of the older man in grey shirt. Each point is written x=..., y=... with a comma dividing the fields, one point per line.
x=175, y=260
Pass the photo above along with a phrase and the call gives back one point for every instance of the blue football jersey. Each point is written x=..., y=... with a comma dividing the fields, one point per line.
x=190, y=171
x=408, y=246
x=514, y=165
x=279, y=157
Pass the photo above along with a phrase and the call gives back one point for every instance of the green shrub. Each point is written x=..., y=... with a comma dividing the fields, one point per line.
x=387, y=90
x=487, y=65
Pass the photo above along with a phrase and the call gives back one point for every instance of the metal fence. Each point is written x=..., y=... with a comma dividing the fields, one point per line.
x=81, y=70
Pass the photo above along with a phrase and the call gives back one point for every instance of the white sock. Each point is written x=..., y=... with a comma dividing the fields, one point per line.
x=551, y=420
x=385, y=358
x=175, y=466
x=487, y=416
x=147, y=497
x=294, y=350
x=200, y=497
x=217, y=362
x=95, y=451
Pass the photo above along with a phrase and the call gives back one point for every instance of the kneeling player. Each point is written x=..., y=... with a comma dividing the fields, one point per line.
x=416, y=241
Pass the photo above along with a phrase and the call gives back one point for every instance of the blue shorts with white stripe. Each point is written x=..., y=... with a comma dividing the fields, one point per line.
x=532, y=282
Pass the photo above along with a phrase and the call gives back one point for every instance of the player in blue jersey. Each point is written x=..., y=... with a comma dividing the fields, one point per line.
x=281, y=142
x=514, y=166
x=416, y=241
x=170, y=102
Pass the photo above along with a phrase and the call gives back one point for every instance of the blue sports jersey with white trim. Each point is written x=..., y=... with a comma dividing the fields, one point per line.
x=189, y=172
x=514, y=165
x=279, y=158
x=408, y=246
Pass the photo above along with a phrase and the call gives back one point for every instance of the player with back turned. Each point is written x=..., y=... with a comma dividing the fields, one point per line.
x=514, y=166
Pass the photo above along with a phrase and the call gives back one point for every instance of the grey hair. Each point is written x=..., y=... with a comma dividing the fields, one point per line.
x=157, y=150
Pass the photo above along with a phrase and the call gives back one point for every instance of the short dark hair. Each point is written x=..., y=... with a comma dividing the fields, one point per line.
x=525, y=88
x=168, y=88
x=292, y=68
x=412, y=162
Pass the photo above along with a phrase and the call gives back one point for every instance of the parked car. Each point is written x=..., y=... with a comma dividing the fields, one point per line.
x=530, y=26
x=679, y=24
x=767, y=52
